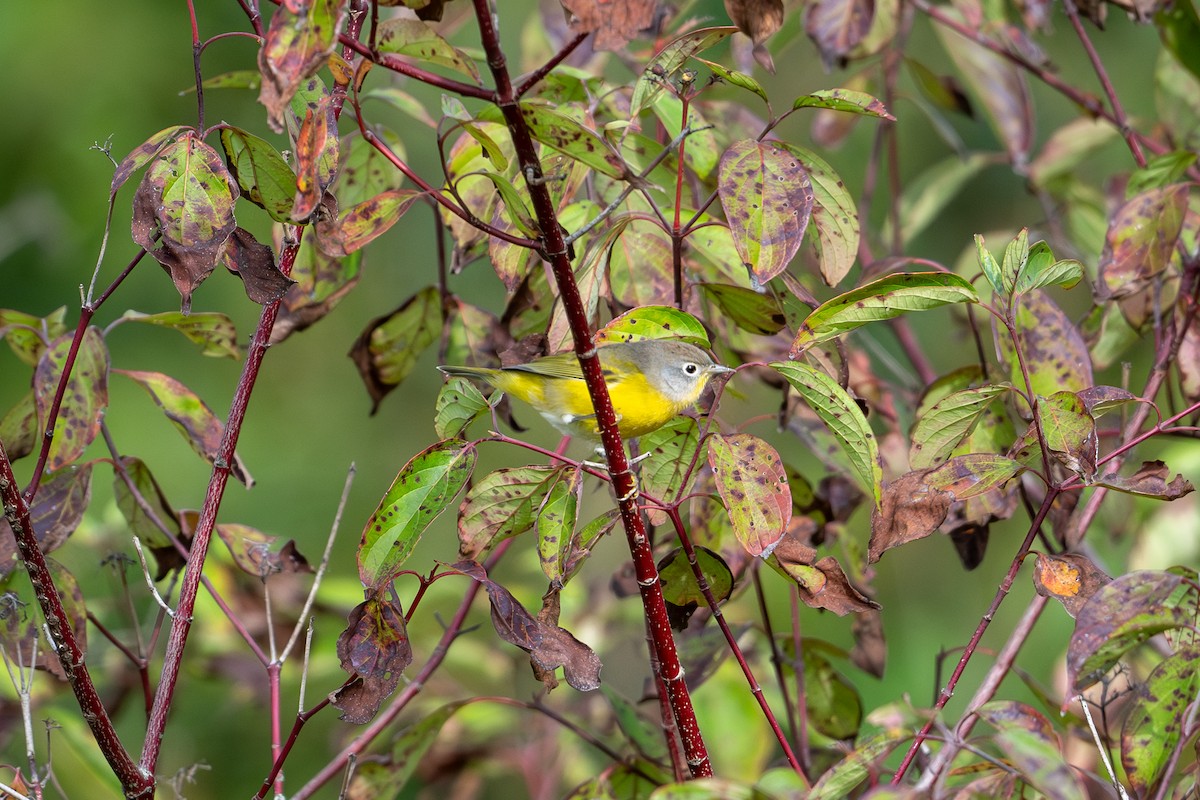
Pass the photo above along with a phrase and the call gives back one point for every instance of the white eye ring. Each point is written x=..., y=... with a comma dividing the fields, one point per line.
x=691, y=369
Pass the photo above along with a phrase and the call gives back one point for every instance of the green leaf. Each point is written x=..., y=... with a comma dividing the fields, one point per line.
x=834, y=707
x=735, y=78
x=1122, y=615
x=768, y=198
x=567, y=136
x=413, y=37
x=27, y=334
x=501, y=505
x=1160, y=171
x=844, y=100
x=138, y=518
x=1028, y=741
x=264, y=177
x=458, y=404
x=296, y=46
x=1069, y=147
x=1052, y=348
x=668, y=452
x=1179, y=27
x=1070, y=432
x=1041, y=269
x=844, y=419
x=85, y=398
x=1016, y=253
x=385, y=778
x=422, y=490
x=1153, y=727
x=671, y=57
x=753, y=485
x=973, y=474
x=885, y=298
x=654, y=322
x=19, y=428
x=701, y=152
x=214, y=332
x=839, y=780
x=190, y=416
x=515, y=207
x=387, y=351
x=143, y=154
x=361, y=224
x=555, y=524
x=991, y=269
x=757, y=312
x=834, y=215
x=941, y=428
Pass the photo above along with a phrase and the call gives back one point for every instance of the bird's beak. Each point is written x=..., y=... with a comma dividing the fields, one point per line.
x=720, y=369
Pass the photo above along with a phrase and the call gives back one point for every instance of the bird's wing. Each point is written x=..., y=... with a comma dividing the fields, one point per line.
x=564, y=365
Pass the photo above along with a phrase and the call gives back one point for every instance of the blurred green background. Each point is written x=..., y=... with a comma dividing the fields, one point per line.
x=82, y=74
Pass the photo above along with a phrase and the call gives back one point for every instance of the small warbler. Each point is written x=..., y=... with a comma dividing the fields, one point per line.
x=650, y=381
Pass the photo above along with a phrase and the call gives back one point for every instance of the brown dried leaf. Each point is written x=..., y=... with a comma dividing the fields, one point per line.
x=254, y=263
x=374, y=646
x=837, y=27
x=911, y=509
x=56, y=512
x=1070, y=578
x=870, y=647
x=758, y=19
x=251, y=551
x=615, y=22
x=1149, y=481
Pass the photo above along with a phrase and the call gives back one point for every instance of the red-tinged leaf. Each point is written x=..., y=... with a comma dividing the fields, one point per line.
x=316, y=158
x=754, y=489
x=263, y=176
x=1140, y=240
x=673, y=55
x=1052, y=347
x=847, y=100
x=183, y=212
x=412, y=37
x=768, y=200
x=549, y=646
x=255, y=554
x=364, y=171
x=758, y=19
x=843, y=418
x=834, y=215
x=911, y=509
x=214, y=332
x=422, y=490
x=143, y=154
x=85, y=398
x=653, y=322
x=375, y=646
x=837, y=27
x=475, y=335
x=388, y=348
x=1070, y=578
x=1070, y=433
x=1150, y=480
x=297, y=44
x=28, y=335
x=320, y=284
x=190, y=415
x=361, y=224
x=613, y=23
x=1152, y=729
x=1033, y=749
x=1122, y=615
x=1000, y=85
x=254, y=263
x=19, y=427
x=55, y=513
x=886, y=298
x=502, y=504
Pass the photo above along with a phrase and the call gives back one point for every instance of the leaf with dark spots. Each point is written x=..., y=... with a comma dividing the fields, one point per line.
x=19, y=427
x=214, y=332
x=670, y=58
x=183, y=212
x=768, y=200
x=414, y=38
x=837, y=27
x=149, y=508
x=760, y=313
x=1140, y=240
x=255, y=554
x=834, y=215
x=1154, y=724
x=320, y=284
x=1122, y=615
x=190, y=415
x=911, y=510
x=85, y=398
x=554, y=524
x=1099, y=400
x=668, y=454
x=758, y=19
x=1150, y=480
x=846, y=100
x=653, y=322
x=549, y=646
x=297, y=44
x=1032, y=748
x=29, y=335
x=254, y=263
x=1070, y=433
x=753, y=485
x=388, y=348
x=142, y=155
x=1052, y=347
x=571, y=138
x=1070, y=578
x=359, y=225
x=422, y=490
x=613, y=23
x=375, y=646
x=501, y=505
x=55, y=513
x=639, y=266
x=681, y=590
x=316, y=159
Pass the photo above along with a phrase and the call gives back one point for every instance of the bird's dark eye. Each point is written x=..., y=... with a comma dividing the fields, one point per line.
x=691, y=369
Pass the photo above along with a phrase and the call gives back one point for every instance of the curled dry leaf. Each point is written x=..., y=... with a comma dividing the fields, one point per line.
x=758, y=19
x=1071, y=579
x=614, y=23
x=374, y=646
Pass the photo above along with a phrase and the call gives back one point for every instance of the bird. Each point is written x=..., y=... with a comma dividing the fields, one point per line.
x=650, y=381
